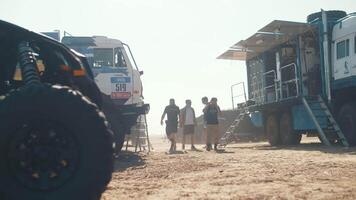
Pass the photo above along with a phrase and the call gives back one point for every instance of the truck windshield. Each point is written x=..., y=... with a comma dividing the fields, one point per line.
x=108, y=58
x=103, y=58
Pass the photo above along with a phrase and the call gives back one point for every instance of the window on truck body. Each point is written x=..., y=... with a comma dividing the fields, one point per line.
x=343, y=49
x=347, y=47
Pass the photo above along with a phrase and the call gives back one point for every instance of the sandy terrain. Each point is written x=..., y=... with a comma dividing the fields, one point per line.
x=242, y=171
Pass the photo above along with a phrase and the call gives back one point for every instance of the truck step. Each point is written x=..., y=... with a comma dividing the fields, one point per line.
x=323, y=116
x=229, y=135
x=317, y=109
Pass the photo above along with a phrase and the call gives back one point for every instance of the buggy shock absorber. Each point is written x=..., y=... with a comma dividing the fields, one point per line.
x=28, y=64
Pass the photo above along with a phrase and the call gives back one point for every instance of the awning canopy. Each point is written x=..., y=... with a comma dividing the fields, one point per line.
x=275, y=33
x=234, y=54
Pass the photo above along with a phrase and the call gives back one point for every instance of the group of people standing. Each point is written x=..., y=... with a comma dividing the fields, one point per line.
x=186, y=119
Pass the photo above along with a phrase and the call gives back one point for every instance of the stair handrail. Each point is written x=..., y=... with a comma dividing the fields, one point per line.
x=316, y=123
x=338, y=130
x=294, y=79
x=233, y=96
x=273, y=85
x=257, y=88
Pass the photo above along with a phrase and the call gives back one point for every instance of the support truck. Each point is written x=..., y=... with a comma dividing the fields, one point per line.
x=301, y=78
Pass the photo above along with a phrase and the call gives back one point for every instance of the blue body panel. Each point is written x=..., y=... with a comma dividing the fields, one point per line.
x=302, y=121
x=343, y=83
x=120, y=79
x=257, y=119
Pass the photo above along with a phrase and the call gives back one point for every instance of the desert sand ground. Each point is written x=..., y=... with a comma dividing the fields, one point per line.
x=241, y=171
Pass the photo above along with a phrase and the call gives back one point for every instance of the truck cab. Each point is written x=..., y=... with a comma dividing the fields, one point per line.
x=344, y=50
x=118, y=78
x=113, y=65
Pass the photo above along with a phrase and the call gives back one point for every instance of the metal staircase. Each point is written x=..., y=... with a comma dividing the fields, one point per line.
x=322, y=118
x=230, y=136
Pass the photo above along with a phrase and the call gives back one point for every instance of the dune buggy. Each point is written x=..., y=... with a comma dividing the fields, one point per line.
x=54, y=140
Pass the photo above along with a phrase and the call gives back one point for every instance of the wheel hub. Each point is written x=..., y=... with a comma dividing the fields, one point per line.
x=43, y=155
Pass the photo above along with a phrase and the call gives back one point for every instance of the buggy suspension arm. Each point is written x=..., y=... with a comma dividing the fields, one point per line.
x=28, y=64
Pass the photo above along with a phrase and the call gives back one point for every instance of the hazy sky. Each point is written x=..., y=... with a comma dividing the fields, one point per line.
x=175, y=42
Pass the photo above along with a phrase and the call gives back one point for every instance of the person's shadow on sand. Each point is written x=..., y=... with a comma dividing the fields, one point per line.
x=196, y=150
x=223, y=151
x=127, y=159
x=176, y=152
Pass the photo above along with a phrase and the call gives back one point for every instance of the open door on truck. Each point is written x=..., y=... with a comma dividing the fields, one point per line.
x=310, y=60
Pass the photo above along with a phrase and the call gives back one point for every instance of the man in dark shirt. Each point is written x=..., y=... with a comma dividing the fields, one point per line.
x=172, y=112
x=212, y=111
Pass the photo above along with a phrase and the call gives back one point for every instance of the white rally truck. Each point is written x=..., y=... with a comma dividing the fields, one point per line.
x=118, y=78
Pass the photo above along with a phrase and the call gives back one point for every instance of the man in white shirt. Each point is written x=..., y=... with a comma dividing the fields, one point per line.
x=188, y=122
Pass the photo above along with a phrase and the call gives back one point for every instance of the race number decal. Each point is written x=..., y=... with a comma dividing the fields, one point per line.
x=120, y=87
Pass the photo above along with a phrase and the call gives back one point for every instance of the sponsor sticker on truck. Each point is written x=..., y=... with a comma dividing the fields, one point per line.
x=120, y=87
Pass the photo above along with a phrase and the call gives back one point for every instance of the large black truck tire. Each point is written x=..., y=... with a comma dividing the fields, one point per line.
x=54, y=145
x=272, y=130
x=286, y=130
x=118, y=128
x=347, y=122
x=116, y=122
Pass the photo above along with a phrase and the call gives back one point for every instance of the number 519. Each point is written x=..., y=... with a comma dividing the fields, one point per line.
x=121, y=87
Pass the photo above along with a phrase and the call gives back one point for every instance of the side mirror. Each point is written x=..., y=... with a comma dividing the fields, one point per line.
x=141, y=73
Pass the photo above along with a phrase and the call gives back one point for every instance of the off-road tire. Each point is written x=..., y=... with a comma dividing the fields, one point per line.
x=116, y=122
x=286, y=130
x=84, y=122
x=272, y=130
x=347, y=122
x=119, y=134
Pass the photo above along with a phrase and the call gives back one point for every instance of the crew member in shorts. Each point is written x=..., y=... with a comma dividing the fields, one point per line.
x=188, y=122
x=212, y=110
x=172, y=112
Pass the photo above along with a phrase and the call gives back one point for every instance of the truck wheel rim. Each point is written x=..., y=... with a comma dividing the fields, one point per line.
x=43, y=155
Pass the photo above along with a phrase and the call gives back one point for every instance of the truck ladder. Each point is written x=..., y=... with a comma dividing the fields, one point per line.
x=318, y=111
x=229, y=136
x=142, y=138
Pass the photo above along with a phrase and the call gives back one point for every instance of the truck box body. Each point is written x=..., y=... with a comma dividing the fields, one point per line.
x=291, y=64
